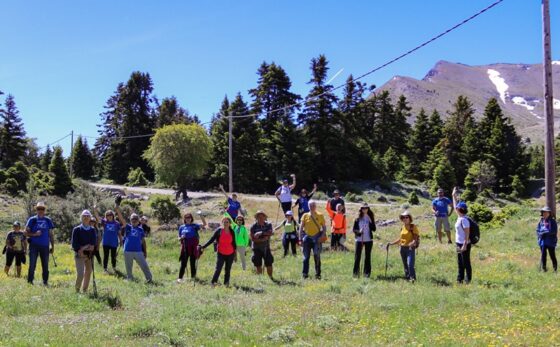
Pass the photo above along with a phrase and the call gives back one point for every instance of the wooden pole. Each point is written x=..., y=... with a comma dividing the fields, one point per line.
x=550, y=167
x=230, y=153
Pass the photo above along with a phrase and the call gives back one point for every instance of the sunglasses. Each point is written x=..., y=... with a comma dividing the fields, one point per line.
x=405, y=217
x=40, y=208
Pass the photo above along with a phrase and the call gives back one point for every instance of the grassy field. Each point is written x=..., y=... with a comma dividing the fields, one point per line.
x=509, y=302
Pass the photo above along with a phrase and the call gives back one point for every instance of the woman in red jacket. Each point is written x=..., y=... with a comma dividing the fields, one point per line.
x=226, y=252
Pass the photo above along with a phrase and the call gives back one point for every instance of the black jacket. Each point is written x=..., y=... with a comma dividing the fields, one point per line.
x=372, y=227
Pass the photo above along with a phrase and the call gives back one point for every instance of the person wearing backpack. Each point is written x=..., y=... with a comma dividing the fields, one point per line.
x=462, y=240
x=289, y=237
x=226, y=252
x=364, y=226
x=312, y=233
x=409, y=240
x=84, y=241
x=284, y=193
x=261, y=232
x=39, y=231
x=189, y=237
x=15, y=248
x=547, y=235
x=338, y=226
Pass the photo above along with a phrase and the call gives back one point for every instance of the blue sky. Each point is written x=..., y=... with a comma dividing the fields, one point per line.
x=63, y=59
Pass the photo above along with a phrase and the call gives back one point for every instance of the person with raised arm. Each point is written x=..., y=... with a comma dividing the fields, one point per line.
x=234, y=206
x=284, y=193
x=135, y=248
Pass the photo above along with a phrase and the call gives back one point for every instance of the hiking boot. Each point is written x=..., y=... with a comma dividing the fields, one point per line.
x=366, y=275
x=317, y=277
x=449, y=242
x=180, y=280
x=305, y=276
x=105, y=271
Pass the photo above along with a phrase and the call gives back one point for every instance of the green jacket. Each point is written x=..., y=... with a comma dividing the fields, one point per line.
x=241, y=233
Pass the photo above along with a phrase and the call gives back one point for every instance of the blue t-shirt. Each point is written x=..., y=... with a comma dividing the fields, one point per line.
x=189, y=231
x=44, y=224
x=441, y=206
x=133, y=238
x=233, y=207
x=303, y=203
x=111, y=233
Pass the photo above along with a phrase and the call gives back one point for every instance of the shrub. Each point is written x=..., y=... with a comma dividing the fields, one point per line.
x=11, y=186
x=20, y=174
x=165, y=210
x=480, y=213
x=413, y=198
x=130, y=206
x=136, y=177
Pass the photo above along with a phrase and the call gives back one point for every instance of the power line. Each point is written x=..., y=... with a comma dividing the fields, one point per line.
x=55, y=142
x=407, y=53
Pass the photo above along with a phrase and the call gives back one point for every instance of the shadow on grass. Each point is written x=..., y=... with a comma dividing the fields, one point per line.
x=250, y=290
x=439, y=281
x=109, y=298
x=283, y=282
x=390, y=278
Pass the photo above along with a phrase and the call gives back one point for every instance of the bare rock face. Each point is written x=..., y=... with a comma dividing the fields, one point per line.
x=517, y=87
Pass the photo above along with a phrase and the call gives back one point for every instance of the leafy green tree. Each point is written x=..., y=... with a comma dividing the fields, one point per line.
x=137, y=178
x=62, y=183
x=81, y=160
x=12, y=134
x=179, y=153
x=481, y=176
x=20, y=174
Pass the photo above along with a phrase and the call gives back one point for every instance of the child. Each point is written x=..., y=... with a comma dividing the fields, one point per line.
x=338, y=227
x=145, y=226
x=289, y=237
x=16, y=248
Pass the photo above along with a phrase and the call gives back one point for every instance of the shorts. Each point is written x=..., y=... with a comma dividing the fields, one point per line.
x=442, y=221
x=262, y=254
x=19, y=257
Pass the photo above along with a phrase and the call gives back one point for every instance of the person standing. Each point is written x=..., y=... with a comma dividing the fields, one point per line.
x=260, y=233
x=234, y=206
x=111, y=238
x=189, y=238
x=311, y=233
x=225, y=238
x=39, y=231
x=16, y=248
x=241, y=239
x=364, y=226
x=289, y=236
x=135, y=248
x=284, y=193
x=302, y=201
x=144, y=224
x=335, y=200
x=98, y=232
x=547, y=234
x=462, y=232
x=84, y=241
x=409, y=241
x=442, y=208
x=338, y=227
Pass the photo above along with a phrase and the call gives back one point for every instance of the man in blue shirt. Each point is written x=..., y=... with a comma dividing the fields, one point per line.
x=234, y=206
x=39, y=230
x=440, y=206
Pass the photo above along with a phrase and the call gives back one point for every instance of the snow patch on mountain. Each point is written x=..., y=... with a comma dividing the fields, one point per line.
x=500, y=83
x=519, y=100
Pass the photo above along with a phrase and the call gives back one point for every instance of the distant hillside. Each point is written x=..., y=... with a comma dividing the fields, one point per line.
x=518, y=87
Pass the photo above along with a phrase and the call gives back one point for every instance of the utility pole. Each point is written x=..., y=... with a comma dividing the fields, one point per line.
x=230, y=153
x=71, y=150
x=549, y=156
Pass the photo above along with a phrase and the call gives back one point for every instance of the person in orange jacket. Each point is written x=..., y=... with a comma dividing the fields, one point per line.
x=338, y=227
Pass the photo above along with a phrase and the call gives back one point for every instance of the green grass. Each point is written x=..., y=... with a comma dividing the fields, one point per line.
x=509, y=303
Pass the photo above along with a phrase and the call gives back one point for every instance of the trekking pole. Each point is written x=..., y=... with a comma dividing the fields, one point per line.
x=386, y=260
x=277, y=213
x=54, y=260
x=93, y=274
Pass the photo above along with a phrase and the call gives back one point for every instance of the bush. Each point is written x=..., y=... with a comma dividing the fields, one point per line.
x=129, y=207
x=19, y=174
x=11, y=186
x=165, y=210
x=413, y=198
x=43, y=182
x=480, y=213
x=136, y=177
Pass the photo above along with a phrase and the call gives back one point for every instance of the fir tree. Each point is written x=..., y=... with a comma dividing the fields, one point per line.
x=81, y=160
x=169, y=112
x=13, y=142
x=46, y=158
x=435, y=126
x=419, y=144
x=62, y=183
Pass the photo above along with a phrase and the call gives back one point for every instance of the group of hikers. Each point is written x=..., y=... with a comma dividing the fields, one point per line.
x=232, y=238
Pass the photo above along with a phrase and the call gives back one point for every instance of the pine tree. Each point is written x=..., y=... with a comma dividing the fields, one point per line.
x=319, y=122
x=435, y=126
x=62, y=182
x=419, y=145
x=46, y=158
x=443, y=176
x=13, y=142
x=392, y=163
x=280, y=145
x=81, y=160
x=129, y=116
x=169, y=112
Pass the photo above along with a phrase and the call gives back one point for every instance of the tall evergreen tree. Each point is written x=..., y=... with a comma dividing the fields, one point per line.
x=319, y=122
x=81, y=160
x=435, y=128
x=419, y=144
x=219, y=137
x=280, y=144
x=13, y=142
x=129, y=117
x=46, y=158
x=62, y=183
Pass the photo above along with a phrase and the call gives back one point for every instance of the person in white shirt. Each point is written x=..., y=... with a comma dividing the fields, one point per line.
x=462, y=230
x=284, y=193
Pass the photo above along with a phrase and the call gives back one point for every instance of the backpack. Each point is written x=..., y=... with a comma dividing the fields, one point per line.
x=474, y=231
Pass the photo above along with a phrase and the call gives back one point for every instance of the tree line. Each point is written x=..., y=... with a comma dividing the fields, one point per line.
x=322, y=137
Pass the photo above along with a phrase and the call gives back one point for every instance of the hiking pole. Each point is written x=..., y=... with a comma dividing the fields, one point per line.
x=93, y=274
x=386, y=260
x=277, y=213
x=54, y=260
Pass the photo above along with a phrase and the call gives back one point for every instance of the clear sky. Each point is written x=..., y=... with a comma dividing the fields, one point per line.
x=63, y=59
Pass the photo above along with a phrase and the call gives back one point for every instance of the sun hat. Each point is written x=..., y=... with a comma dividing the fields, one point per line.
x=289, y=213
x=40, y=204
x=546, y=209
x=405, y=213
x=260, y=212
x=364, y=205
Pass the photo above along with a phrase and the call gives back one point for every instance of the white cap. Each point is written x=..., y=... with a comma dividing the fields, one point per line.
x=86, y=213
